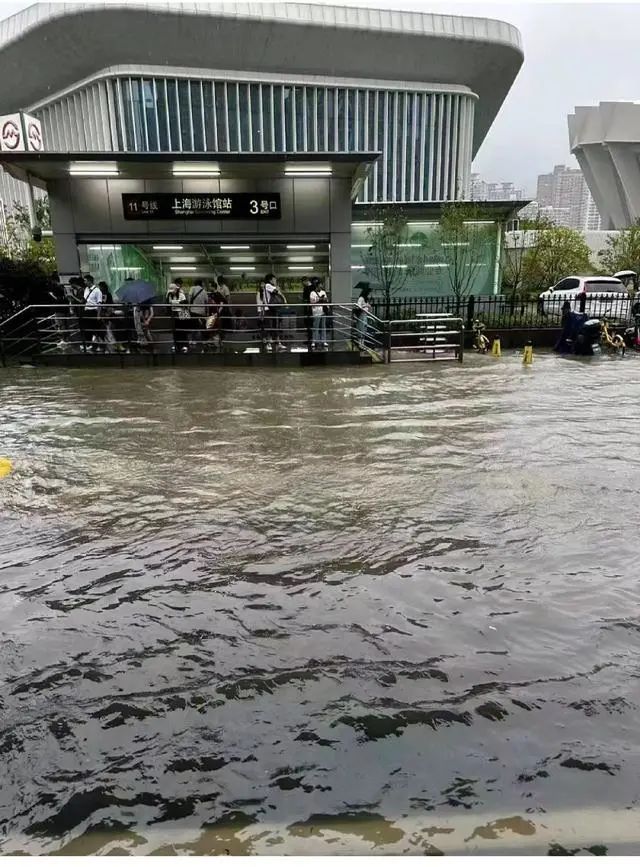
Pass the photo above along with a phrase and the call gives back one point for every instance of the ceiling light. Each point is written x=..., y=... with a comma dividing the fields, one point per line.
x=182, y=267
x=353, y=246
x=243, y=259
x=357, y=267
x=235, y=247
x=301, y=246
x=242, y=268
x=297, y=268
x=168, y=247
x=198, y=170
x=183, y=259
x=394, y=266
x=409, y=245
x=128, y=268
x=317, y=170
x=94, y=169
x=105, y=247
x=436, y=265
x=301, y=258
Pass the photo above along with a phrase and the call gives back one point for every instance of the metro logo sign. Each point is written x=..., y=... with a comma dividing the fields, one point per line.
x=11, y=138
x=20, y=132
x=34, y=134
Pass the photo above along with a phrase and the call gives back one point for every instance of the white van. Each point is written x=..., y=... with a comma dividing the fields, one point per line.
x=598, y=297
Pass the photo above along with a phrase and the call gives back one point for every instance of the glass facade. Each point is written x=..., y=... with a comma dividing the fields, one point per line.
x=471, y=268
x=425, y=137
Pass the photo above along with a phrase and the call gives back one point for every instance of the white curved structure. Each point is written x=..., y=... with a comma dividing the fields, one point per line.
x=421, y=89
x=605, y=140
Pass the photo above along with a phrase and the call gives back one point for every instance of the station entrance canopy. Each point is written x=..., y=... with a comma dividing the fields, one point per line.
x=207, y=199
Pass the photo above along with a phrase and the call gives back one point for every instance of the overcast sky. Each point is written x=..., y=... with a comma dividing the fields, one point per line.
x=575, y=54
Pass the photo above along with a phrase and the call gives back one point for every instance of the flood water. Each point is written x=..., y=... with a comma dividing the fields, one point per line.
x=384, y=610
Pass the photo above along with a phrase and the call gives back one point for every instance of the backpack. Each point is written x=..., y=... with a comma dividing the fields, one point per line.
x=276, y=297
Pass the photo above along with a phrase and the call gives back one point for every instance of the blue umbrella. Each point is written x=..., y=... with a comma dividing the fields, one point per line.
x=136, y=292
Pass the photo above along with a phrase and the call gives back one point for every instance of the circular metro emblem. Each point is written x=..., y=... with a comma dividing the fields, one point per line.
x=10, y=135
x=35, y=136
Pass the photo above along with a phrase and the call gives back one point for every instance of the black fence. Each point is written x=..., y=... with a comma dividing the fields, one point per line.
x=505, y=312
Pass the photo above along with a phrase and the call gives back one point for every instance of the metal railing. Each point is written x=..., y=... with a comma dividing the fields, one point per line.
x=510, y=312
x=428, y=337
x=72, y=329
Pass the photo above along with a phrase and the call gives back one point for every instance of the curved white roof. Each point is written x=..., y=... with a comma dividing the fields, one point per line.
x=50, y=46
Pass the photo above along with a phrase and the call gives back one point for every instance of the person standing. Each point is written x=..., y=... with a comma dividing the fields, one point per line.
x=177, y=301
x=223, y=289
x=318, y=299
x=89, y=284
x=307, y=287
x=362, y=310
x=269, y=302
x=92, y=302
x=199, y=304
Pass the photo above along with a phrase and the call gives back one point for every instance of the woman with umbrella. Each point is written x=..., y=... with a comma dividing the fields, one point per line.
x=141, y=294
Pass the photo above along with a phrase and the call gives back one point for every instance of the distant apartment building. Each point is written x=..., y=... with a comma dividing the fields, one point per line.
x=502, y=191
x=563, y=196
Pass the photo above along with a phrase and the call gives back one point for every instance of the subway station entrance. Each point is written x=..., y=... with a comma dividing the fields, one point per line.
x=160, y=215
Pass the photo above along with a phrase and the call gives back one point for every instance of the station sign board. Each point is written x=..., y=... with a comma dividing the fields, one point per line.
x=201, y=206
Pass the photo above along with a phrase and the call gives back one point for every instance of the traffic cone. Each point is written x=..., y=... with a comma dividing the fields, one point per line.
x=527, y=355
x=496, y=349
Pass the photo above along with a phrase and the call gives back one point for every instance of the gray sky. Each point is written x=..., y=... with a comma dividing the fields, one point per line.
x=575, y=54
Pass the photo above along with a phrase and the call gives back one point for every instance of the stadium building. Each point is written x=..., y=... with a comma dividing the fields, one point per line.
x=239, y=138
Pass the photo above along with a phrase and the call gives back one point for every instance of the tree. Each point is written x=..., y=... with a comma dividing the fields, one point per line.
x=622, y=251
x=20, y=245
x=515, y=247
x=464, y=241
x=21, y=283
x=391, y=259
x=555, y=252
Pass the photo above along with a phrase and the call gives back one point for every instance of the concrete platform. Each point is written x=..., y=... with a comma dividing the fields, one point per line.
x=340, y=358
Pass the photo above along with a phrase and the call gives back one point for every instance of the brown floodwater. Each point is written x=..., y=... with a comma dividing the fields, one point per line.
x=381, y=610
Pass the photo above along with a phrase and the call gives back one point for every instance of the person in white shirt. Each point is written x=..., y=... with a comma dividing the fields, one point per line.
x=269, y=300
x=199, y=303
x=92, y=324
x=89, y=284
x=317, y=299
x=363, y=308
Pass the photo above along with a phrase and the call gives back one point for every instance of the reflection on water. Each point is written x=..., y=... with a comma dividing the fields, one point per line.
x=373, y=610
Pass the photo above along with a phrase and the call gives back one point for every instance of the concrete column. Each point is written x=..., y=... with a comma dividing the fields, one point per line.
x=67, y=256
x=340, y=239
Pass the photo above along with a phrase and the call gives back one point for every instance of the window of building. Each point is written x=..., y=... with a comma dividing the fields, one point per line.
x=342, y=113
x=149, y=102
x=232, y=114
x=278, y=113
x=222, y=118
x=210, y=120
x=256, y=117
x=186, y=116
x=268, y=117
x=197, y=115
x=323, y=144
x=173, y=118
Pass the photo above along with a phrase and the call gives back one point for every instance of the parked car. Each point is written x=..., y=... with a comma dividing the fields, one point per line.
x=599, y=297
